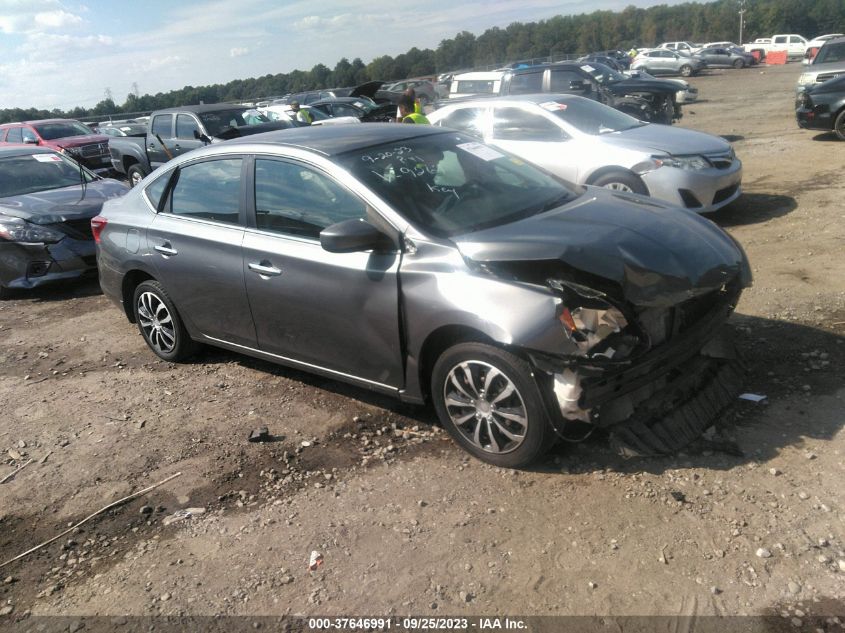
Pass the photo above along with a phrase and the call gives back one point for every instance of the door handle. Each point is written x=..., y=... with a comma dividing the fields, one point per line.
x=177, y=146
x=165, y=249
x=265, y=269
x=151, y=146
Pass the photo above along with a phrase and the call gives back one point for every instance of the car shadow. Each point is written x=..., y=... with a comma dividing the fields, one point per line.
x=752, y=208
x=827, y=137
x=746, y=432
x=733, y=138
x=73, y=289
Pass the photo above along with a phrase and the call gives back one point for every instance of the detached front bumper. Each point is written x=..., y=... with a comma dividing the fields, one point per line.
x=702, y=191
x=32, y=265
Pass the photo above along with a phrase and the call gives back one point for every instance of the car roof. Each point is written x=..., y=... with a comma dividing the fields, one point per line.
x=337, y=139
x=535, y=98
x=23, y=150
x=205, y=107
x=37, y=121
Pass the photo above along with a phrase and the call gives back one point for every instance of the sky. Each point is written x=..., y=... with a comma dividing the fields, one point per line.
x=63, y=53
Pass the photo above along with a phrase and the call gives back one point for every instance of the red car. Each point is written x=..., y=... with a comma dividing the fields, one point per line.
x=63, y=135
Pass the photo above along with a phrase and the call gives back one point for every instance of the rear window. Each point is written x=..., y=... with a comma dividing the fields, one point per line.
x=526, y=83
x=471, y=86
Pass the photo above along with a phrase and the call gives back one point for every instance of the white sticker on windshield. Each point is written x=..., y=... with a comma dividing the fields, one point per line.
x=588, y=68
x=47, y=158
x=551, y=106
x=482, y=151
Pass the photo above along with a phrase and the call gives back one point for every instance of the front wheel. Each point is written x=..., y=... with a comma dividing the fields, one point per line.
x=135, y=174
x=490, y=403
x=160, y=323
x=621, y=181
x=839, y=126
x=686, y=70
x=739, y=64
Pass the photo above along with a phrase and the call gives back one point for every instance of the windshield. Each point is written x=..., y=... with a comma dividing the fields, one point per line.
x=61, y=129
x=604, y=74
x=591, y=117
x=831, y=52
x=30, y=173
x=217, y=122
x=450, y=184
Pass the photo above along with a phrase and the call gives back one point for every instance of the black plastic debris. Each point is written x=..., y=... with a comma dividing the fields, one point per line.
x=261, y=434
x=677, y=495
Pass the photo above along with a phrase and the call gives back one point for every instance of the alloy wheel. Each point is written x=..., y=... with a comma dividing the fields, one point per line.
x=618, y=186
x=156, y=323
x=485, y=406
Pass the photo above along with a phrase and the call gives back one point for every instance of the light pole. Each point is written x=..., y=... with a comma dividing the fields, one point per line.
x=741, y=19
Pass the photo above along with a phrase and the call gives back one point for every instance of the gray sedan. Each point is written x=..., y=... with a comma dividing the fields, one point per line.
x=418, y=262
x=726, y=57
x=47, y=201
x=585, y=142
x=660, y=61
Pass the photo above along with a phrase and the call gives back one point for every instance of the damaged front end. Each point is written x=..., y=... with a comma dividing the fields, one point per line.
x=641, y=301
x=656, y=378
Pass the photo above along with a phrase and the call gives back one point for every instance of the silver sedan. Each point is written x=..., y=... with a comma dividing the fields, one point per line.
x=587, y=143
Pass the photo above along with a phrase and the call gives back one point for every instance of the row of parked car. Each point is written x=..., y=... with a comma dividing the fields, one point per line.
x=820, y=92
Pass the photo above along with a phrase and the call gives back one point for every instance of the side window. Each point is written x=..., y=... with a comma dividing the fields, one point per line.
x=163, y=125
x=185, y=126
x=15, y=135
x=156, y=189
x=526, y=83
x=515, y=124
x=467, y=120
x=296, y=200
x=779, y=40
x=559, y=81
x=210, y=190
x=341, y=109
x=794, y=39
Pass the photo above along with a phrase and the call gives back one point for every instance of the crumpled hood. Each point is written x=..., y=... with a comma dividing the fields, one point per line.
x=668, y=139
x=58, y=205
x=658, y=254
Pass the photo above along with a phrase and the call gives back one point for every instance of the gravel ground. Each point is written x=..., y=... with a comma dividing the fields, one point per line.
x=405, y=521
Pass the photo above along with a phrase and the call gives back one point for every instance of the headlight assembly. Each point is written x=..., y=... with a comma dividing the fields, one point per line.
x=691, y=163
x=18, y=230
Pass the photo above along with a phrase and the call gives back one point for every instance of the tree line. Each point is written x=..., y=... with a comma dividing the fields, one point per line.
x=552, y=38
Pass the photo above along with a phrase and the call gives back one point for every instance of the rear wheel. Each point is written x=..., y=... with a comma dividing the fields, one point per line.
x=621, y=181
x=135, y=174
x=839, y=126
x=489, y=401
x=686, y=70
x=160, y=323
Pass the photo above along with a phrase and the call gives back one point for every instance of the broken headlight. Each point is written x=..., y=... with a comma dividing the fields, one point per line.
x=18, y=230
x=596, y=326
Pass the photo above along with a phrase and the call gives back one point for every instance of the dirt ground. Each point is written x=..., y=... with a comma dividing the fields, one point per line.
x=406, y=522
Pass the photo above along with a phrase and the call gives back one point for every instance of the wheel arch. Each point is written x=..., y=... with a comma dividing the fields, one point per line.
x=131, y=281
x=609, y=169
x=438, y=342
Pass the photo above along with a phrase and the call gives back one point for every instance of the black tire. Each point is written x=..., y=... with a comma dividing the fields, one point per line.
x=518, y=443
x=839, y=126
x=686, y=70
x=154, y=312
x=621, y=181
x=135, y=174
x=738, y=63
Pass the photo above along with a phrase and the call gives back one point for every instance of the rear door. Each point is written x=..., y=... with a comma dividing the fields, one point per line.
x=336, y=311
x=185, y=141
x=195, y=244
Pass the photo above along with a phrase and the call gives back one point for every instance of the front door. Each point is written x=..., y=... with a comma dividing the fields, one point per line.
x=337, y=311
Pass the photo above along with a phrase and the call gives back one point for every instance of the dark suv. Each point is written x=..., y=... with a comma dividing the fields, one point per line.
x=650, y=100
x=63, y=135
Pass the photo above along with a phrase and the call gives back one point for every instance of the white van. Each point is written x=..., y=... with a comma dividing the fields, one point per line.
x=467, y=84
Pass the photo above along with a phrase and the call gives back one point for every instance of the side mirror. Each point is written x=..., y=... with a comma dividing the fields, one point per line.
x=31, y=141
x=354, y=236
x=201, y=137
x=580, y=85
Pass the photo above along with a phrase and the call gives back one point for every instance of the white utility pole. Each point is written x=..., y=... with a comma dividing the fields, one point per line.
x=741, y=19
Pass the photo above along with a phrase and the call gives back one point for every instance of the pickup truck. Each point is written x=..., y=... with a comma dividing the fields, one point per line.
x=174, y=131
x=794, y=45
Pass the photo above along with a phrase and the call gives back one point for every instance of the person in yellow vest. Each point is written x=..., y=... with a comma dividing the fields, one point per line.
x=407, y=114
x=300, y=115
